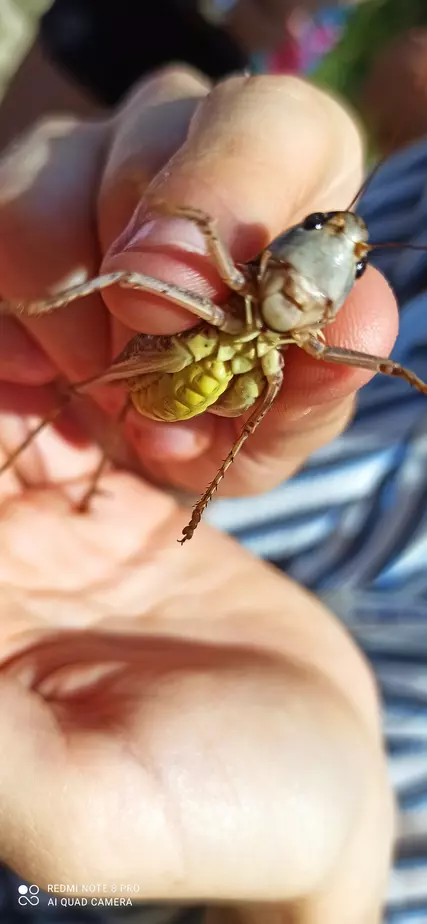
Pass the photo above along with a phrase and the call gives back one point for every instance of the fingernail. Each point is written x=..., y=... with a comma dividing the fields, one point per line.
x=167, y=232
x=183, y=444
x=170, y=441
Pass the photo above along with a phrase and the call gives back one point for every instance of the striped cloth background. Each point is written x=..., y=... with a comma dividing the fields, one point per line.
x=353, y=525
x=353, y=528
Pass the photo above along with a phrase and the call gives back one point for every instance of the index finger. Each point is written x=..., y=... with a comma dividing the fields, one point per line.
x=260, y=153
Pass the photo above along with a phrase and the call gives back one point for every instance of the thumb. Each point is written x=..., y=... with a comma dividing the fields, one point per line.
x=260, y=153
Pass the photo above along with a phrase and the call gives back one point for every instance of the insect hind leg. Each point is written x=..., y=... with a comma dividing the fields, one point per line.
x=274, y=381
x=83, y=505
x=49, y=419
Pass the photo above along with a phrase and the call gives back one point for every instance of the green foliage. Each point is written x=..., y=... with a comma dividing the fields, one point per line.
x=373, y=24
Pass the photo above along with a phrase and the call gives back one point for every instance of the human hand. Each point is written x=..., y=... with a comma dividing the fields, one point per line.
x=190, y=725
x=261, y=154
x=185, y=719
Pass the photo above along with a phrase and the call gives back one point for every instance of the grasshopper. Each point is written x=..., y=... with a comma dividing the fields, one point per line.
x=233, y=359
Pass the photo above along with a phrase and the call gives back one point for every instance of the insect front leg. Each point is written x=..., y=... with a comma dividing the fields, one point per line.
x=198, y=305
x=251, y=316
x=273, y=371
x=389, y=367
x=218, y=251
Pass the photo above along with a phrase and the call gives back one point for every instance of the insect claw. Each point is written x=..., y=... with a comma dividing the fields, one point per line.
x=83, y=506
x=187, y=533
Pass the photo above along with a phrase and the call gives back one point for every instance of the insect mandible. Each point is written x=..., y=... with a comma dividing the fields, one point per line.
x=233, y=359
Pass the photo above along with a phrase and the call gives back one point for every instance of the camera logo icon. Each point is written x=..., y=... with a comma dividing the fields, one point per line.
x=28, y=895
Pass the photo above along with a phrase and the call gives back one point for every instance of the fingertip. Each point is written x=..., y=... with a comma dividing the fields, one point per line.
x=260, y=151
x=151, y=314
x=169, y=443
x=369, y=319
x=149, y=128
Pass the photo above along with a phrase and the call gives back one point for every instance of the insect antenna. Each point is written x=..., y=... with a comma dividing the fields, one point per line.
x=366, y=182
x=362, y=189
x=380, y=163
x=399, y=244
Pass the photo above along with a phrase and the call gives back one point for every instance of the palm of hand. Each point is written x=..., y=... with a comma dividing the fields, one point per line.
x=150, y=684
x=112, y=673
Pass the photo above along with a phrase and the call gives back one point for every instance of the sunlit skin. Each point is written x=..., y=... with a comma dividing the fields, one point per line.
x=186, y=719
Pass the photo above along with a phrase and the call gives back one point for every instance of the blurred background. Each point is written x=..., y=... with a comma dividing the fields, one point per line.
x=18, y=26
x=373, y=53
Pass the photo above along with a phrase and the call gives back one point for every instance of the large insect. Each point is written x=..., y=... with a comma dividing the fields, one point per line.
x=233, y=360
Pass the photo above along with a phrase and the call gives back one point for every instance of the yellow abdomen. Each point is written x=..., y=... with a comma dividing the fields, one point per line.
x=181, y=395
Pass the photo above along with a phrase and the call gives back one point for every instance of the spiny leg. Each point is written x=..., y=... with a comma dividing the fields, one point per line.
x=62, y=299
x=201, y=307
x=389, y=367
x=50, y=418
x=274, y=382
x=218, y=251
x=83, y=505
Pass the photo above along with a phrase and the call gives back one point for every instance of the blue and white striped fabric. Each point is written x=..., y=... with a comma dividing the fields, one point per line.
x=352, y=526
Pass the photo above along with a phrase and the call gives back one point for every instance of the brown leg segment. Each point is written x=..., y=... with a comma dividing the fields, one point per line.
x=83, y=505
x=361, y=360
x=71, y=392
x=62, y=404
x=201, y=307
x=218, y=252
x=271, y=392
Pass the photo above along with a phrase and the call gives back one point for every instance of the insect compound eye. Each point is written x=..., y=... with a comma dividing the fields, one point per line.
x=314, y=222
x=360, y=267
